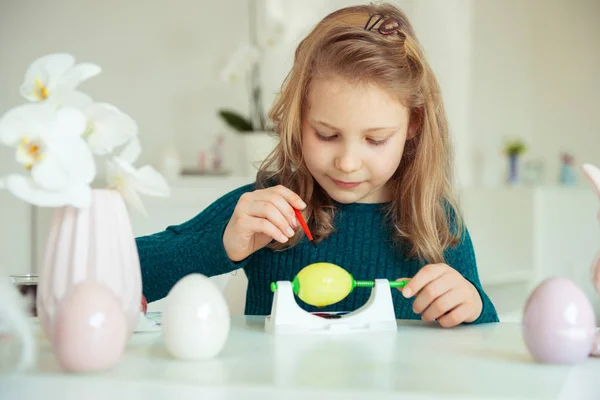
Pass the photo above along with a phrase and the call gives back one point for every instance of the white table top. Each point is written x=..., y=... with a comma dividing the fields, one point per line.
x=420, y=361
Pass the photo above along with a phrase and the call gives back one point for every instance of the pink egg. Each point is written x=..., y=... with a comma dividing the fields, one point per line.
x=90, y=329
x=559, y=322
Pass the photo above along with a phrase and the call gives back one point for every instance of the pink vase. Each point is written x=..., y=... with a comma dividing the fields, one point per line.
x=93, y=244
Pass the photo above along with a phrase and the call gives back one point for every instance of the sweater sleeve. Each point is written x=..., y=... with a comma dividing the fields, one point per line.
x=462, y=258
x=195, y=246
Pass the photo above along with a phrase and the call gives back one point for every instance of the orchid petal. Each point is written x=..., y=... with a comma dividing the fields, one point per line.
x=70, y=122
x=78, y=74
x=272, y=35
x=49, y=174
x=124, y=166
x=274, y=10
x=25, y=121
x=112, y=173
x=79, y=196
x=133, y=199
x=78, y=100
x=76, y=159
x=24, y=157
x=148, y=181
x=45, y=72
x=129, y=181
x=23, y=187
x=240, y=63
x=145, y=180
x=119, y=179
x=132, y=151
x=110, y=128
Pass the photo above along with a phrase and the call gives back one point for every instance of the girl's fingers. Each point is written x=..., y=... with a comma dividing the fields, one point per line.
x=442, y=305
x=455, y=317
x=425, y=275
x=292, y=198
x=268, y=211
x=280, y=202
x=262, y=225
x=434, y=289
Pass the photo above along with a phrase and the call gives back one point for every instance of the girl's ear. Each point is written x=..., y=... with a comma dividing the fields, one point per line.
x=593, y=174
x=415, y=122
x=412, y=131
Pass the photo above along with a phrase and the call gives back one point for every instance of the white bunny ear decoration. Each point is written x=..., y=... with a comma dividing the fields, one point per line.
x=15, y=324
x=593, y=174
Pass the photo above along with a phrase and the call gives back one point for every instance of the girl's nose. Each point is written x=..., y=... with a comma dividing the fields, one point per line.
x=348, y=160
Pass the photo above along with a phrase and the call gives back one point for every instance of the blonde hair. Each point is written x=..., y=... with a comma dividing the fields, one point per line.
x=423, y=210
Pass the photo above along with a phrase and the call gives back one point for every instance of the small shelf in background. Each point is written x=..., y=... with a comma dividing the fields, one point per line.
x=204, y=173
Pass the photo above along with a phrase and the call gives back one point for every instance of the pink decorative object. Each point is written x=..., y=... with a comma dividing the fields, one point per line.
x=559, y=323
x=93, y=244
x=90, y=329
x=201, y=161
x=567, y=158
x=217, y=153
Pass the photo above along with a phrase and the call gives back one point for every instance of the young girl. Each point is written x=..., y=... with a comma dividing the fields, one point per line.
x=364, y=154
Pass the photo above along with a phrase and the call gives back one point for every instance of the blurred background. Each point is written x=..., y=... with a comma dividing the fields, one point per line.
x=519, y=79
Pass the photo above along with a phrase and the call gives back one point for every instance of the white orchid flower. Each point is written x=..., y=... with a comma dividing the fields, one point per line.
x=272, y=34
x=53, y=78
x=273, y=28
x=107, y=126
x=129, y=181
x=76, y=194
x=274, y=10
x=132, y=151
x=50, y=148
x=240, y=63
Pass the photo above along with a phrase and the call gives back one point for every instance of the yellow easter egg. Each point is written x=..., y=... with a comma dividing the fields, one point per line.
x=322, y=284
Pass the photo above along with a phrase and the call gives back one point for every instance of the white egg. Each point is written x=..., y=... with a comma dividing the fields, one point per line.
x=196, y=319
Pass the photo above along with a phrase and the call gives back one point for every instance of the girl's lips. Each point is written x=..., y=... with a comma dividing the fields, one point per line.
x=345, y=185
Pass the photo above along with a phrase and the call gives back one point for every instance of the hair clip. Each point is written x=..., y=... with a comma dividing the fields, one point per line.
x=389, y=25
x=367, y=27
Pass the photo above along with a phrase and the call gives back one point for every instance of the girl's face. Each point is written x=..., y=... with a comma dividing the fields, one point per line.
x=352, y=139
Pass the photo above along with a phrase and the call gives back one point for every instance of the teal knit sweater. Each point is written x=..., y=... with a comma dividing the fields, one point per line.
x=361, y=244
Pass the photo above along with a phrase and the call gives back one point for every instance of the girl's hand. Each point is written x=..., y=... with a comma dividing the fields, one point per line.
x=443, y=294
x=260, y=217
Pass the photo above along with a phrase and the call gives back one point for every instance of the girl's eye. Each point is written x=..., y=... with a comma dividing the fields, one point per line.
x=377, y=142
x=325, y=138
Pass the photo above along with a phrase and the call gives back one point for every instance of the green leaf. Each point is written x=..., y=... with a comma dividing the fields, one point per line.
x=236, y=121
x=515, y=147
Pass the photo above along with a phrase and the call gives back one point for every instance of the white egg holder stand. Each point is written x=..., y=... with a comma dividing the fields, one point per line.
x=287, y=317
